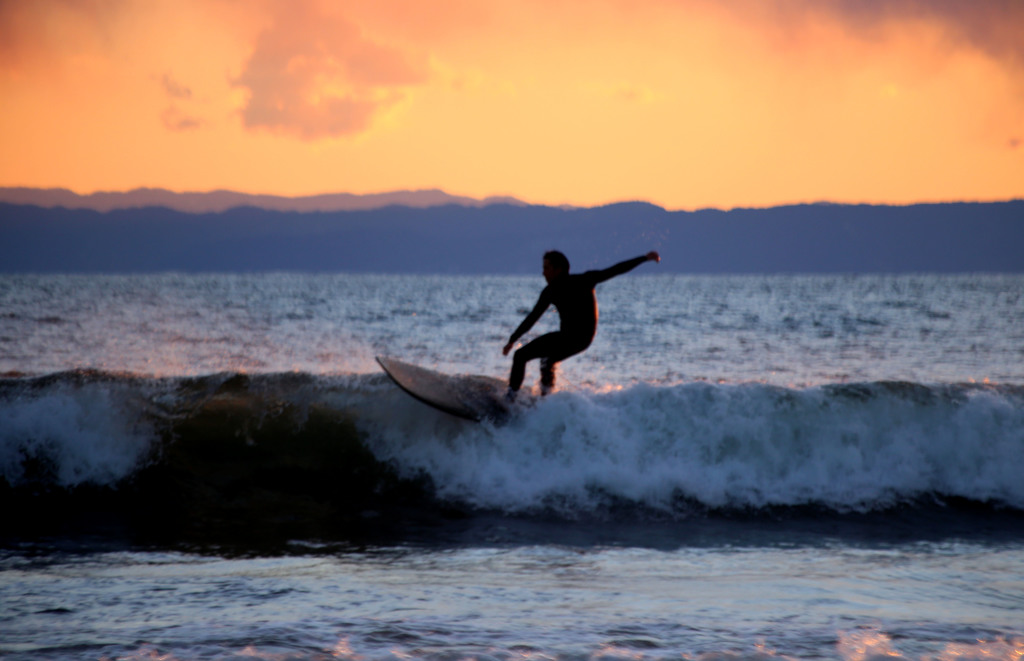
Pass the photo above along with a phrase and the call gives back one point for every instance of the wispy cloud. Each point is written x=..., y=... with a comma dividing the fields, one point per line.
x=175, y=89
x=995, y=27
x=314, y=75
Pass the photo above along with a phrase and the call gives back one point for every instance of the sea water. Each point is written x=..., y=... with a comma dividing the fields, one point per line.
x=800, y=467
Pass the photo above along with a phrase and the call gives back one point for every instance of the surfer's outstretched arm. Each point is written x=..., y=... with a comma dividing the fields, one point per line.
x=626, y=266
x=542, y=305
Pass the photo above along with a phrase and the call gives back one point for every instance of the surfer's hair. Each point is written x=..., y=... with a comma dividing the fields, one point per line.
x=557, y=260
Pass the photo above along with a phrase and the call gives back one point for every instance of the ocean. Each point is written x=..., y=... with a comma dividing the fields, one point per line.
x=213, y=466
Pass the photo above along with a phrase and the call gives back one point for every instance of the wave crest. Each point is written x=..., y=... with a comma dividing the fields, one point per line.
x=292, y=447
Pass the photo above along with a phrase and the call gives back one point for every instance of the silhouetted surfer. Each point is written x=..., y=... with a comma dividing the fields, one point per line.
x=574, y=298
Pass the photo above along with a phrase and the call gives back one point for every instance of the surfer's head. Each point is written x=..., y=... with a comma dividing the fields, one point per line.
x=555, y=264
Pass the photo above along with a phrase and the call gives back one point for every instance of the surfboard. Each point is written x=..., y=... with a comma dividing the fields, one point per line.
x=469, y=396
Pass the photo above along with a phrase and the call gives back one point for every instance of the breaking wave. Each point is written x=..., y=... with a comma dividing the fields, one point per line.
x=291, y=448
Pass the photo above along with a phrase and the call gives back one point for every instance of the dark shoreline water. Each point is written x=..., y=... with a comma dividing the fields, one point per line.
x=82, y=525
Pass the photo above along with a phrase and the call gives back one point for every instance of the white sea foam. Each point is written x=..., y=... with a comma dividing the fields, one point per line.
x=727, y=446
x=72, y=436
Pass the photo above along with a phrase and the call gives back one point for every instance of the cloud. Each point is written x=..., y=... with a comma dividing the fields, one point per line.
x=43, y=31
x=173, y=117
x=314, y=75
x=175, y=89
x=15, y=24
x=993, y=27
x=175, y=120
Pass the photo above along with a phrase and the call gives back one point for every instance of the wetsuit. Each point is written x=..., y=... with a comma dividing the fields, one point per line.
x=574, y=298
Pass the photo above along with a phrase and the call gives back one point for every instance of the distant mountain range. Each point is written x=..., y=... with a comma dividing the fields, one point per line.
x=432, y=232
x=221, y=200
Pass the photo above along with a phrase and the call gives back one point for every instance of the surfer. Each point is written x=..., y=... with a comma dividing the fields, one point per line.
x=574, y=298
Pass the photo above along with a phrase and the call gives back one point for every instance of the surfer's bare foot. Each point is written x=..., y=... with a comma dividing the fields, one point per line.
x=510, y=396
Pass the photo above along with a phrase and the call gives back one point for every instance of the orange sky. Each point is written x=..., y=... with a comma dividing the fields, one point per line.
x=684, y=103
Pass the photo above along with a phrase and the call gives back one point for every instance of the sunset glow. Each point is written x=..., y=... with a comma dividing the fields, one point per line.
x=684, y=103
